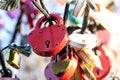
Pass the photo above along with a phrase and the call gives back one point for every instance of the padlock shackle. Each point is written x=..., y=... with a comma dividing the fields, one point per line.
x=99, y=48
x=54, y=17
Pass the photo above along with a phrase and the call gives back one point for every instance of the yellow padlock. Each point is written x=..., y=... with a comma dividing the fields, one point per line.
x=14, y=58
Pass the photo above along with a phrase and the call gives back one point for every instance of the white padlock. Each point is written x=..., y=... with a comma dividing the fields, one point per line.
x=86, y=40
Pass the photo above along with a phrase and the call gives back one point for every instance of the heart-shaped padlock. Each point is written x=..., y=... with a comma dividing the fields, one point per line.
x=48, y=41
x=86, y=40
x=65, y=68
x=105, y=61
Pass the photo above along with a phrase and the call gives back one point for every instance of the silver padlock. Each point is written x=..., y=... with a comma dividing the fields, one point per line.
x=79, y=8
x=86, y=40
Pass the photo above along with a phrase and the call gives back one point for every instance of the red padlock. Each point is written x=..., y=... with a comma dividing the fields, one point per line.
x=105, y=61
x=50, y=40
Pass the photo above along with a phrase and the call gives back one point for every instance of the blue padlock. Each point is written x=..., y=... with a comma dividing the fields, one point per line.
x=75, y=19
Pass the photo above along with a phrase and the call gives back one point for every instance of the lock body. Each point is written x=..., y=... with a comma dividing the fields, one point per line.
x=14, y=58
x=50, y=40
x=14, y=14
x=105, y=61
x=48, y=73
x=66, y=67
x=86, y=40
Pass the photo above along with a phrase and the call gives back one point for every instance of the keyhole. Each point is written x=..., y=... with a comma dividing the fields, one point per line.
x=47, y=44
x=98, y=72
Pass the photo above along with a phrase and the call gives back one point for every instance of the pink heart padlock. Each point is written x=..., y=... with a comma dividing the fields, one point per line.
x=48, y=41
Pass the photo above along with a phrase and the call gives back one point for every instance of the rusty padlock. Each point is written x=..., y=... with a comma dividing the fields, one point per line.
x=65, y=68
x=105, y=61
x=50, y=40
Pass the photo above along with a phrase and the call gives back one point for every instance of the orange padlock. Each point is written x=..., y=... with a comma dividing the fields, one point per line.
x=48, y=41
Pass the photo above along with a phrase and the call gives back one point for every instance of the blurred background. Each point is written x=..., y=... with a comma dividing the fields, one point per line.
x=32, y=67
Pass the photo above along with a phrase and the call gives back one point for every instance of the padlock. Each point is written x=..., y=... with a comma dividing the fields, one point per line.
x=65, y=68
x=48, y=73
x=79, y=8
x=86, y=40
x=78, y=73
x=50, y=40
x=87, y=71
x=14, y=14
x=14, y=58
x=76, y=20
x=87, y=56
x=61, y=59
x=11, y=75
x=105, y=61
x=30, y=11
